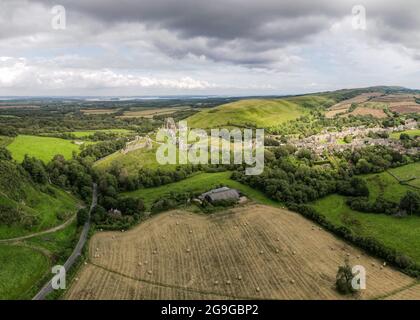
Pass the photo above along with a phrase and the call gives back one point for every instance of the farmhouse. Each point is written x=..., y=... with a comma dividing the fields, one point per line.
x=220, y=194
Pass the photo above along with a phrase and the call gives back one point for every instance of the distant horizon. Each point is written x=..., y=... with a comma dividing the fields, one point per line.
x=189, y=96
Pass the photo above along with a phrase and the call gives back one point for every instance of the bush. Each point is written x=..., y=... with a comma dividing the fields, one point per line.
x=411, y=203
x=82, y=216
x=344, y=278
x=163, y=205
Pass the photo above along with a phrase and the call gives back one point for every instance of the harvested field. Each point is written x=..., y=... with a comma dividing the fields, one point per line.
x=406, y=108
x=392, y=98
x=337, y=111
x=361, y=111
x=411, y=293
x=358, y=99
x=150, y=113
x=98, y=111
x=254, y=251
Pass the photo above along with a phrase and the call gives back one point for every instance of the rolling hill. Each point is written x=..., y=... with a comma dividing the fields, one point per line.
x=260, y=113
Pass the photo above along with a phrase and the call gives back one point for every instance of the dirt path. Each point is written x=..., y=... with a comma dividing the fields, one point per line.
x=40, y=233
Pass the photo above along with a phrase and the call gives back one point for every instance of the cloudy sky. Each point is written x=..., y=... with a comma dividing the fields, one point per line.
x=228, y=47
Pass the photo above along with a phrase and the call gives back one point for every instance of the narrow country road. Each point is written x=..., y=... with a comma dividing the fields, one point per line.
x=76, y=252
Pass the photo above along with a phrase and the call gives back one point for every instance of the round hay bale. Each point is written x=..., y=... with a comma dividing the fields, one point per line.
x=277, y=250
x=149, y=272
x=188, y=250
x=258, y=289
x=261, y=252
x=239, y=277
x=216, y=282
x=228, y=282
x=292, y=281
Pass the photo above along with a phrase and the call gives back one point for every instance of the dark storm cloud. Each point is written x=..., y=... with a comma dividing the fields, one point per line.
x=254, y=26
x=237, y=31
x=225, y=19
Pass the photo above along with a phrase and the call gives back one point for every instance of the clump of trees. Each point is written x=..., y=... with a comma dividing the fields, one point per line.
x=119, y=213
x=344, y=279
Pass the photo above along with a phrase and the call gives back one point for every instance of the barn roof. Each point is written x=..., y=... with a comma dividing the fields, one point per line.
x=221, y=194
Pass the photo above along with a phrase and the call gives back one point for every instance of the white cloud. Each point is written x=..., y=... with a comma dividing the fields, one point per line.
x=19, y=72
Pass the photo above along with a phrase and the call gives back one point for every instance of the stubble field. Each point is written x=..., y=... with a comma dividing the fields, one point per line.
x=255, y=251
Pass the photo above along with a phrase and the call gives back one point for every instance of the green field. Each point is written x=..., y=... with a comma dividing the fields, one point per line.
x=200, y=182
x=21, y=269
x=410, y=174
x=88, y=133
x=132, y=161
x=411, y=133
x=32, y=259
x=43, y=148
x=401, y=234
x=385, y=185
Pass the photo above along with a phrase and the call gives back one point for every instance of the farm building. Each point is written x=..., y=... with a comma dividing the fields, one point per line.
x=220, y=194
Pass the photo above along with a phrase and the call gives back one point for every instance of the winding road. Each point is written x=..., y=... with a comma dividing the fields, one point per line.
x=76, y=252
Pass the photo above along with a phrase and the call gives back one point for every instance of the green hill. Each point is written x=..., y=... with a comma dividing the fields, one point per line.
x=260, y=113
x=26, y=207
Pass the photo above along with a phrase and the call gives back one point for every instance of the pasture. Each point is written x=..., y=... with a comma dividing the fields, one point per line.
x=250, y=252
x=21, y=269
x=43, y=148
x=199, y=183
x=401, y=234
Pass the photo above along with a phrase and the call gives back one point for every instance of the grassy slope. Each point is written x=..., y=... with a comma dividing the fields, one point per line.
x=200, y=182
x=18, y=191
x=401, y=234
x=261, y=113
x=21, y=268
x=132, y=161
x=43, y=148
